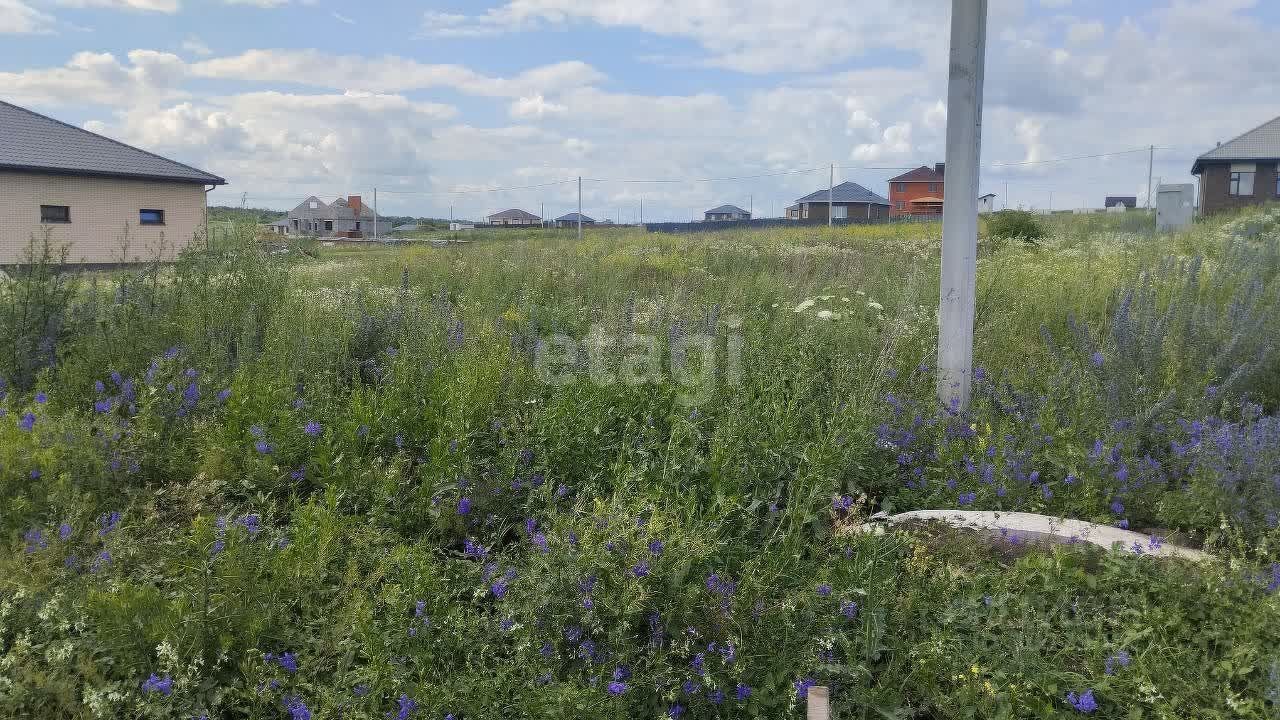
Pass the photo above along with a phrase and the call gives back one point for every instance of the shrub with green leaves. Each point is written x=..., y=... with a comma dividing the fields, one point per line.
x=1016, y=225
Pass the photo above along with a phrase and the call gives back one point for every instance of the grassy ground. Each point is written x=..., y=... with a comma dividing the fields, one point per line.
x=376, y=482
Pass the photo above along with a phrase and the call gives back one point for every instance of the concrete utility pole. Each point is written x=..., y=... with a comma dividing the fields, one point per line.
x=579, y=207
x=960, y=214
x=1151, y=167
x=542, y=220
x=831, y=185
x=375, y=214
x=641, y=212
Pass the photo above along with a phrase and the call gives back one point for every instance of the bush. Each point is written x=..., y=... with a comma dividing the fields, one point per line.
x=1020, y=224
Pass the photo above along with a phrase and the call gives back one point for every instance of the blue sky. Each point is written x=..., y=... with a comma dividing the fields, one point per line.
x=288, y=98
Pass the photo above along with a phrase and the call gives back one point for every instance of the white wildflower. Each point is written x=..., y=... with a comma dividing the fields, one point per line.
x=805, y=305
x=875, y=306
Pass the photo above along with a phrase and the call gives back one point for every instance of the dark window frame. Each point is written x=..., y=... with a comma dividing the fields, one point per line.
x=66, y=215
x=143, y=212
x=328, y=225
x=1236, y=179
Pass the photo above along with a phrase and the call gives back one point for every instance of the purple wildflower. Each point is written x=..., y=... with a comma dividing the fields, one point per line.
x=1084, y=702
x=464, y=506
x=27, y=422
x=312, y=429
x=407, y=706
x=155, y=683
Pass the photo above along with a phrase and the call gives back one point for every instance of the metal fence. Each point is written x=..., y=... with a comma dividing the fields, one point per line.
x=719, y=225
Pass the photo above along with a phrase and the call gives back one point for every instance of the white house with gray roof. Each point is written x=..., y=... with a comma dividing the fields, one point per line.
x=103, y=201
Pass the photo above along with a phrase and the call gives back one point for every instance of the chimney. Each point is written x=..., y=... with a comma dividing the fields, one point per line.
x=941, y=168
x=354, y=203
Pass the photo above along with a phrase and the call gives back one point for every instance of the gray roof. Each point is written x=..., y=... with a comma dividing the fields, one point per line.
x=573, y=217
x=845, y=192
x=514, y=214
x=32, y=142
x=1260, y=143
x=727, y=209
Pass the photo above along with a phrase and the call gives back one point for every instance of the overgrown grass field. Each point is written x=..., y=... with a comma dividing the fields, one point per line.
x=532, y=477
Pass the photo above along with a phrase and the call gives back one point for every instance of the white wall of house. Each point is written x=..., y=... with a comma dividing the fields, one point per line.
x=101, y=209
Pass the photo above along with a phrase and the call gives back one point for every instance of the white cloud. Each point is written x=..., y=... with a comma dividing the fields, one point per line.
x=535, y=106
x=161, y=6
x=388, y=73
x=342, y=18
x=196, y=46
x=16, y=17
x=746, y=35
x=99, y=78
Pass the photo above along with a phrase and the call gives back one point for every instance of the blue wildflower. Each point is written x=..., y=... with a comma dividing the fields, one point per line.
x=312, y=429
x=1119, y=659
x=1084, y=702
x=155, y=683
x=288, y=661
x=849, y=609
x=27, y=422
x=64, y=531
x=407, y=706
x=655, y=547
x=824, y=590
x=802, y=687
x=108, y=522
x=35, y=540
x=743, y=692
x=41, y=398
x=641, y=569
x=297, y=709
x=464, y=506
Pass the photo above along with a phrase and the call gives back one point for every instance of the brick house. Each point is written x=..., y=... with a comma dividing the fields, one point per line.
x=514, y=216
x=847, y=200
x=726, y=212
x=571, y=221
x=104, y=201
x=1241, y=172
x=918, y=193
x=343, y=218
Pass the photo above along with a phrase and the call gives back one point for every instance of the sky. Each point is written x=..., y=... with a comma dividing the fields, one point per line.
x=449, y=104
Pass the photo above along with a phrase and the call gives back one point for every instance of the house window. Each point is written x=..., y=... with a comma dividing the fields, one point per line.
x=902, y=205
x=902, y=187
x=313, y=204
x=150, y=217
x=357, y=224
x=933, y=187
x=55, y=214
x=1242, y=184
x=840, y=212
x=806, y=212
x=1242, y=176
x=328, y=225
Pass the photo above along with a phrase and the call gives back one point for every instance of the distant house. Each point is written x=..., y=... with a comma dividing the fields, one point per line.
x=987, y=204
x=343, y=218
x=280, y=227
x=726, y=212
x=405, y=228
x=571, y=220
x=847, y=200
x=84, y=190
x=919, y=192
x=1241, y=172
x=515, y=216
x=1125, y=202
x=455, y=226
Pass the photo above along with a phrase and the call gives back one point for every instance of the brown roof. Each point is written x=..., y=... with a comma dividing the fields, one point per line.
x=924, y=173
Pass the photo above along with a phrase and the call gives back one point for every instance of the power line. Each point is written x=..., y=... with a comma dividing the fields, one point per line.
x=1077, y=157
x=478, y=191
x=704, y=180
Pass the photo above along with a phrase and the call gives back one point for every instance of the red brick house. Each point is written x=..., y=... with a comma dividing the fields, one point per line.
x=1241, y=172
x=918, y=193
